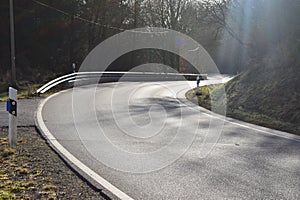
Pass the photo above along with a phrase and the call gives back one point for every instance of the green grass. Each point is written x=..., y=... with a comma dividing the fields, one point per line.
x=207, y=93
x=25, y=90
x=238, y=112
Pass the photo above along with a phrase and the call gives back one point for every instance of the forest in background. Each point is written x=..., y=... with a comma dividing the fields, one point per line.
x=238, y=34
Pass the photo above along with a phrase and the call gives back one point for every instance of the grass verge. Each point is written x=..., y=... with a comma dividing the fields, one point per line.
x=27, y=90
x=204, y=100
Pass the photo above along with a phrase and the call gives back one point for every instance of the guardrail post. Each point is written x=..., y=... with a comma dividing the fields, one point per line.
x=12, y=109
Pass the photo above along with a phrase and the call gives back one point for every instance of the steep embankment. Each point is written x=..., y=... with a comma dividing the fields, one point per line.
x=266, y=97
x=267, y=94
x=271, y=88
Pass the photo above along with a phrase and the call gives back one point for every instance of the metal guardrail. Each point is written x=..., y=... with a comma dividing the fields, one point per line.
x=114, y=76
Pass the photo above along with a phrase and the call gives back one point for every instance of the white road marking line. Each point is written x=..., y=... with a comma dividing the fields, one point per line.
x=240, y=123
x=52, y=140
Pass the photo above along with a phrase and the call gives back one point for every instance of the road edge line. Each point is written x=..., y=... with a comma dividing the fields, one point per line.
x=70, y=158
x=255, y=127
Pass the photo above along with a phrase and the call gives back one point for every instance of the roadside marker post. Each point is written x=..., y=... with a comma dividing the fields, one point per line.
x=74, y=67
x=198, y=82
x=11, y=107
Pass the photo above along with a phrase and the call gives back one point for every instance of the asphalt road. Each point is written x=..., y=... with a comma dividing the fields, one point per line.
x=151, y=143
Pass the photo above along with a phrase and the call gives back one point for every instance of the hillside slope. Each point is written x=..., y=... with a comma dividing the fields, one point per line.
x=267, y=94
x=270, y=89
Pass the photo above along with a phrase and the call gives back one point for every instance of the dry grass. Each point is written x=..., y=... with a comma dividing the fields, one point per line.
x=34, y=171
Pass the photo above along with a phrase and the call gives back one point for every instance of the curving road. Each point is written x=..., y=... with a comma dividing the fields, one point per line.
x=119, y=130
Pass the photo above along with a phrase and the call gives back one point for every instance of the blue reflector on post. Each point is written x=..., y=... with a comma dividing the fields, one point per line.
x=8, y=105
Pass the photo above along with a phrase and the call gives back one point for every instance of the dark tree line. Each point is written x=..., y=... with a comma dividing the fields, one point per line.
x=52, y=34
